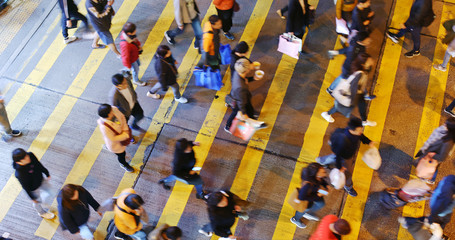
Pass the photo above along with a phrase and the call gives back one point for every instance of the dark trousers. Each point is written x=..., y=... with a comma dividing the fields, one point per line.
x=122, y=158
x=285, y=9
x=226, y=18
x=249, y=112
x=137, y=113
x=415, y=33
x=196, y=24
x=451, y=105
x=73, y=15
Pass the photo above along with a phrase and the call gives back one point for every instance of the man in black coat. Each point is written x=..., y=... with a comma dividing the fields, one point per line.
x=29, y=173
x=421, y=15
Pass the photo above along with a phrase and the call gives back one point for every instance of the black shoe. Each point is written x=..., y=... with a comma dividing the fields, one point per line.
x=412, y=54
x=120, y=235
x=351, y=191
x=165, y=186
x=169, y=39
x=15, y=133
x=127, y=168
x=449, y=112
x=392, y=37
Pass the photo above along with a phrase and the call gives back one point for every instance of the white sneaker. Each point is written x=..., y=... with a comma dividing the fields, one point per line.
x=153, y=95
x=69, y=39
x=207, y=234
x=140, y=83
x=402, y=222
x=181, y=100
x=327, y=117
x=369, y=123
x=310, y=217
x=439, y=67
x=47, y=215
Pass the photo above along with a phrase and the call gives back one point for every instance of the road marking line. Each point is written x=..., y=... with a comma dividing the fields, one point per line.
x=431, y=113
x=312, y=143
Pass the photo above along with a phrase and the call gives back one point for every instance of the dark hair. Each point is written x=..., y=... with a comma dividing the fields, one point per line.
x=354, y=122
x=215, y=198
x=173, y=233
x=450, y=124
x=104, y=110
x=67, y=193
x=18, y=154
x=242, y=47
x=134, y=201
x=362, y=36
x=213, y=19
x=363, y=1
x=162, y=50
x=129, y=27
x=358, y=62
x=117, y=79
x=181, y=144
x=309, y=173
x=342, y=227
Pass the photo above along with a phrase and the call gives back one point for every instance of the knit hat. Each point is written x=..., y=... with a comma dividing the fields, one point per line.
x=242, y=47
x=342, y=227
x=242, y=66
x=354, y=123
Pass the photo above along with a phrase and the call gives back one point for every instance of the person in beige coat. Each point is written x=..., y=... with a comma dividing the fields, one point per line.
x=186, y=12
x=113, y=126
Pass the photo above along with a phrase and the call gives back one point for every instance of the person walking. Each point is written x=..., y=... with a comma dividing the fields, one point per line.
x=7, y=131
x=123, y=96
x=225, y=10
x=344, y=143
x=331, y=228
x=165, y=232
x=298, y=17
x=442, y=202
x=73, y=210
x=69, y=12
x=129, y=215
x=167, y=74
x=100, y=14
x=354, y=95
x=29, y=172
x=182, y=167
x=223, y=208
x=449, y=39
x=361, y=17
x=421, y=15
x=211, y=43
x=186, y=12
x=131, y=49
x=344, y=10
x=313, y=189
x=115, y=131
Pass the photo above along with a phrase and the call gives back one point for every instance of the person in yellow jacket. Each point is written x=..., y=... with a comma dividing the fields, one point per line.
x=211, y=43
x=128, y=214
x=344, y=10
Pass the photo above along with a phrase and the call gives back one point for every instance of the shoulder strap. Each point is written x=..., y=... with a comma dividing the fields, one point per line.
x=112, y=129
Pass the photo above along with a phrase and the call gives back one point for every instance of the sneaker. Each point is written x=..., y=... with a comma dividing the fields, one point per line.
x=329, y=91
x=181, y=100
x=369, y=123
x=140, y=83
x=195, y=45
x=15, y=133
x=392, y=37
x=127, y=168
x=299, y=224
x=69, y=39
x=280, y=14
x=226, y=129
x=119, y=235
x=310, y=217
x=47, y=215
x=201, y=196
x=327, y=117
x=412, y=54
x=229, y=36
x=351, y=191
x=333, y=53
x=262, y=126
x=207, y=234
x=153, y=95
x=449, y=112
x=369, y=97
x=402, y=222
x=164, y=185
x=169, y=39
x=439, y=67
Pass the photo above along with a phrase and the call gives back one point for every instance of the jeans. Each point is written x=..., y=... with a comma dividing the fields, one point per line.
x=76, y=16
x=139, y=235
x=361, y=104
x=85, y=232
x=249, y=112
x=335, y=83
x=135, y=70
x=46, y=188
x=175, y=88
x=415, y=33
x=446, y=60
x=138, y=115
x=315, y=206
x=226, y=18
x=4, y=122
x=121, y=157
x=450, y=107
x=196, y=24
x=171, y=178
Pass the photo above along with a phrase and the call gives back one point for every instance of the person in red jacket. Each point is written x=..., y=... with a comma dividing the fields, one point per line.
x=225, y=9
x=131, y=49
x=331, y=228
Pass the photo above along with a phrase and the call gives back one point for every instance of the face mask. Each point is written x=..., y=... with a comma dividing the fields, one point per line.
x=132, y=36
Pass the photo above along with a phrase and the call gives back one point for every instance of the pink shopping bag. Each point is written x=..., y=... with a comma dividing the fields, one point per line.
x=290, y=45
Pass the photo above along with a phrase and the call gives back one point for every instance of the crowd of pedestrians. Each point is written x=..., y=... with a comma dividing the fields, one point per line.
x=349, y=90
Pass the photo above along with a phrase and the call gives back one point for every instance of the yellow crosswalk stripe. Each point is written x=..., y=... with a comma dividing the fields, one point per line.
x=312, y=143
x=180, y=194
x=434, y=99
x=162, y=115
x=362, y=174
x=41, y=143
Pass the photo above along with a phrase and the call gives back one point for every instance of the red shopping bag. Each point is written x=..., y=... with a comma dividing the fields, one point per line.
x=290, y=45
x=242, y=129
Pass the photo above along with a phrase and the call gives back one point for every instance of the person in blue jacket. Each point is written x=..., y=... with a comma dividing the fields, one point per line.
x=73, y=209
x=442, y=201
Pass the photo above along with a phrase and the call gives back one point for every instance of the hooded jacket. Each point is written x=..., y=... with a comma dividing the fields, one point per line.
x=126, y=222
x=72, y=219
x=30, y=176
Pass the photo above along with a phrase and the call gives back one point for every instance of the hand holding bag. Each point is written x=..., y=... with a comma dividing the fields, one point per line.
x=337, y=178
x=225, y=53
x=295, y=202
x=372, y=158
x=290, y=45
x=208, y=78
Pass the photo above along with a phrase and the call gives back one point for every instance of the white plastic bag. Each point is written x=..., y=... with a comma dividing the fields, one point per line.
x=372, y=158
x=337, y=178
x=342, y=27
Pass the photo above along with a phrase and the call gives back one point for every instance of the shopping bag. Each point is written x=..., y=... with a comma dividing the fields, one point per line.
x=208, y=78
x=427, y=166
x=225, y=52
x=372, y=158
x=337, y=178
x=342, y=27
x=242, y=129
x=290, y=45
x=295, y=202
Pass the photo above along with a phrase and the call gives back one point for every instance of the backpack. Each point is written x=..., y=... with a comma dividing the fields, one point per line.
x=342, y=92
